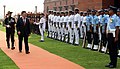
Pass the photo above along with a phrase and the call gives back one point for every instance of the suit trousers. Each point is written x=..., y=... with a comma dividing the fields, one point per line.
x=10, y=34
x=112, y=46
x=25, y=42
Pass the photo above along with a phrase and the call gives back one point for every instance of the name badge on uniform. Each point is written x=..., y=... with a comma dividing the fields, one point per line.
x=111, y=20
x=12, y=20
x=102, y=19
x=101, y=25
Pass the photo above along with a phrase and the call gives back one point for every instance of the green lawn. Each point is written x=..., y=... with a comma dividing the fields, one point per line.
x=6, y=62
x=84, y=57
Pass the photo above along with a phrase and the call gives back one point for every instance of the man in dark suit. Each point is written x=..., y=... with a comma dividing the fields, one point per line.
x=10, y=30
x=23, y=31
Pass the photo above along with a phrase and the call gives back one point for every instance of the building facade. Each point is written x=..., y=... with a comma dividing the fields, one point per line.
x=61, y=5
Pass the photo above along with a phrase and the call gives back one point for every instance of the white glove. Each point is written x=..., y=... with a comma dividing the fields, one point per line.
x=8, y=26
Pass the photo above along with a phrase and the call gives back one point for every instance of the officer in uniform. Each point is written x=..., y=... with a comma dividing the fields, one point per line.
x=66, y=26
x=84, y=22
x=71, y=26
x=103, y=28
x=58, y=25
x=113, y=31
x=52, y=32
x=54, y=25
x=84, y=28
x=10, y=30
x=95, y=22
x=76, y=26
x=49, y=23
x=42, y=25
x=62, y=26
x=118, y=13
x=89, y=29
x=81, y=28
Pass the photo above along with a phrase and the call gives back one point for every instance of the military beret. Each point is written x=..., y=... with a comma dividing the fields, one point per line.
x=62, y=12
x=9, y=12
x=85, y=12
x=106, y=10
x=88, y=10
x=112, y=8
x=94, y=10
x=99, y=10
x=76, y=9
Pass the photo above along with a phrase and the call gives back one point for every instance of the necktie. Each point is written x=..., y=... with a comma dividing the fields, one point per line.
x=24, y=22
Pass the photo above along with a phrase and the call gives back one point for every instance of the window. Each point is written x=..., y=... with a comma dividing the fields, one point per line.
x=60, y=8
x=55, y=8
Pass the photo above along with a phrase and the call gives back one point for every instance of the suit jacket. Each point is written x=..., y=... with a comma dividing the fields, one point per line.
x=24, y=29
x=11, y=22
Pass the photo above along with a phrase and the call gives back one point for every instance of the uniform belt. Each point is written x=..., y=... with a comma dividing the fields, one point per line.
x=112, y=31
x=93, y=25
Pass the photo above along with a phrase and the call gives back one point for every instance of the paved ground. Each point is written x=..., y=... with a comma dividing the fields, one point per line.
x=37, y=59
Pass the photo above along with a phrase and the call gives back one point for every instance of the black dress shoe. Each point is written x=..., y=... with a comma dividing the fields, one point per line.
x=13, y=48
x=27, y=52
x=41, y=40
x=76, y=44
x=112, y=66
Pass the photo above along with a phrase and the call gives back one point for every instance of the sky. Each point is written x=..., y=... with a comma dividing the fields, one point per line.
x=16, y=6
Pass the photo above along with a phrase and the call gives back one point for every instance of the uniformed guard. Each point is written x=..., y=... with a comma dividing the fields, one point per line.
x=118, y=13
x=49, y=23
x=89, y=29
x=81, y=28
x=66, y=26
x=42, y=25
x=84, y=26
x=76, y=26
x=113, y=31
x=10, y=30
x=95, y=22
x=103, y=28
x=52, y=17
x=71, y=26
x=62, y=26
x=54, y=25
x=58, y=25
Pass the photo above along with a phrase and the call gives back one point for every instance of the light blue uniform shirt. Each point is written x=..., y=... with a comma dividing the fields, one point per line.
x=113, y=22
x=118, y=20
x=103, y=22
x=95, y=21
x=88, y=21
